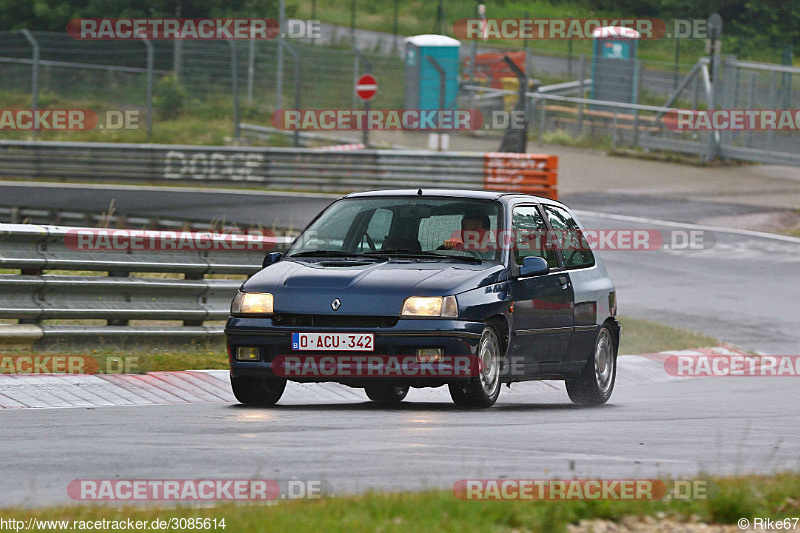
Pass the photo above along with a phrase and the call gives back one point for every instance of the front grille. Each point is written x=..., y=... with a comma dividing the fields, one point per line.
x=335, y=321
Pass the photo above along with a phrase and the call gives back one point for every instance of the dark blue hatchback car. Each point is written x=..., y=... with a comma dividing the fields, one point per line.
x=388, y=290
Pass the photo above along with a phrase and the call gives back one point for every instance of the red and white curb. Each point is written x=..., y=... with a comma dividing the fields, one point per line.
x=43, y=391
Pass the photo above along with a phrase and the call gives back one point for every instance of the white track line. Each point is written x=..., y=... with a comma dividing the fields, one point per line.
x=671, y=224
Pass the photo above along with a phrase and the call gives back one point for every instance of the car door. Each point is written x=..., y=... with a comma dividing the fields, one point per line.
x=579, y=262
x=543, y=305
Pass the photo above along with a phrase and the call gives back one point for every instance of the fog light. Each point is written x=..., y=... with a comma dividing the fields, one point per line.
x=246, y=353
x=429, y=355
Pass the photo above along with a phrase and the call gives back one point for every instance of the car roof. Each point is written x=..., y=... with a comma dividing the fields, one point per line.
x=453, y=193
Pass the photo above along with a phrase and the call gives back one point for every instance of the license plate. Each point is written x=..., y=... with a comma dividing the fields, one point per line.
x=333, y=342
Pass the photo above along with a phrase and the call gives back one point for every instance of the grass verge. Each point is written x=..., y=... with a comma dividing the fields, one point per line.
x=737, y=497
x=638, y=336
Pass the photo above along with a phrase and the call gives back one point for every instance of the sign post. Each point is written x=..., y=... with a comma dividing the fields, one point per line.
x=366, y=88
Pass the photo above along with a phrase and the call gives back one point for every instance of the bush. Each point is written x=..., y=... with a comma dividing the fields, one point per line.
x=169, y=99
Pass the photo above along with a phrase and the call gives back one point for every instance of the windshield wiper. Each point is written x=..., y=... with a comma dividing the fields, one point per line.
x=424, y=255
x=329, y=253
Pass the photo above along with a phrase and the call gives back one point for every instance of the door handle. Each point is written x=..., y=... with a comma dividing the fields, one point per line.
x=564, y=281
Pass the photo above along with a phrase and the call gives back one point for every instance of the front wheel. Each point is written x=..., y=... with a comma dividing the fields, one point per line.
x=593, y=385
x=382, y=393
x=258, y=391
x=483, y=390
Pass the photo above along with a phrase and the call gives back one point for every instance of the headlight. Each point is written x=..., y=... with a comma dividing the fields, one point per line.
x=252, y=303
x=430, y=306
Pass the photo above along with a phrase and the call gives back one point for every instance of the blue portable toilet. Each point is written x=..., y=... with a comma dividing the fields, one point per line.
x=613, y=64
x=422, y=79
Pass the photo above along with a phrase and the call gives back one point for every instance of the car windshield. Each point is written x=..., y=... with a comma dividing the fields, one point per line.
x=429, y=228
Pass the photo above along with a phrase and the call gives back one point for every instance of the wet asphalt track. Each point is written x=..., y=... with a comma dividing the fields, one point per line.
x=744, y=290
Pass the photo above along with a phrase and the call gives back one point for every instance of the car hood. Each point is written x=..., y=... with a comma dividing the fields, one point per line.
x=365, y=288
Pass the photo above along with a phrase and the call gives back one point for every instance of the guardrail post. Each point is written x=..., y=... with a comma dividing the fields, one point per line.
x=235, y=87
x=118, y=321
x=150, y=61
x=193, y=276
x=34, y=69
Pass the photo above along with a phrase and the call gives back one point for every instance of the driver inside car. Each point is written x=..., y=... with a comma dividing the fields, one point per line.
x=473, y=226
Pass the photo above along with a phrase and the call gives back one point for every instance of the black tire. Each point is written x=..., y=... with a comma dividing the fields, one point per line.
x=594, y=384
x=258, y=391
x=483, y=390
x=382, y=393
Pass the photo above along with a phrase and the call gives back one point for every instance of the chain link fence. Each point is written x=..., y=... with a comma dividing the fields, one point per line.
x=240, y=79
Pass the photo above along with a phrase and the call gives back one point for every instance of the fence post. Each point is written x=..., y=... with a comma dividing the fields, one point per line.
x=360, y=57
x=35, y=69
x=251, y=67
x=637, y=85
x=235, y=87
x=177, y=58
x=773, y=104
x=580, y=85
x=614, y=131
x=750, y=103
x=150, y=62
x=296, y=58
x=542, y=120
x=715, y=34
x=442, y=88
x=395, y=46
x=279, y=72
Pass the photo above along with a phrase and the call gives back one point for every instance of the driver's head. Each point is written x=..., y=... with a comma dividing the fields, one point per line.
x=475, y=222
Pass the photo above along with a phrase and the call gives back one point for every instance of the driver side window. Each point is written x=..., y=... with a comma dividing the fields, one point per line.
x=530, y=236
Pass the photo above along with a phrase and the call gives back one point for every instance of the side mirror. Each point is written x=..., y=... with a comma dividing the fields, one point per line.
x=271, y=258
x=533, y=266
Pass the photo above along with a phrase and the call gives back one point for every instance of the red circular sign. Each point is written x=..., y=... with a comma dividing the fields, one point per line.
x=366, y=87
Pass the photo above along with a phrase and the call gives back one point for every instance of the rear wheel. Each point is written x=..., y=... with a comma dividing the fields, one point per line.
x=483, y=390
x=258, y=391
x=593, y=385
x=383, y=393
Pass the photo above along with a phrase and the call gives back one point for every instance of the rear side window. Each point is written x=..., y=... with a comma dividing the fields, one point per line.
x=530, y=236
x=574, y=246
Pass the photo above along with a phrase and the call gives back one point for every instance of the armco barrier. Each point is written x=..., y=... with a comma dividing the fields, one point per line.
x=115, y=295
x=277, y=168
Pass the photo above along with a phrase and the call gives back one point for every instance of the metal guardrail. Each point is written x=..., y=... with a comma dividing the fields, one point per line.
x=276, y=168
x=114, y=219
x=116, y=296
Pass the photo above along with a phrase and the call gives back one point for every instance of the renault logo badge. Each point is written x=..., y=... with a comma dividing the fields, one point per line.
x=336, y=304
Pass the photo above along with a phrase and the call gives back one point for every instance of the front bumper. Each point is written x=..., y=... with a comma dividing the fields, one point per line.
x=454, y=337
